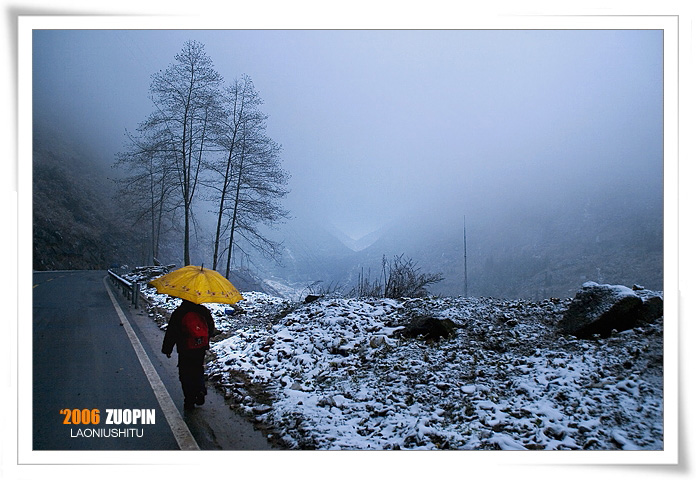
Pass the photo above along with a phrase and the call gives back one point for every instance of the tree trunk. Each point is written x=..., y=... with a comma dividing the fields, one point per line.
x=222, y=207
x=234, y=213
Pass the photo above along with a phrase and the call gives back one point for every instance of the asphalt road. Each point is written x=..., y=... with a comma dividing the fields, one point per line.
x=84, y=362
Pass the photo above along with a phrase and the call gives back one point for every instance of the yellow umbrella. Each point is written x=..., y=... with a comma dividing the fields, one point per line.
x=198, y=285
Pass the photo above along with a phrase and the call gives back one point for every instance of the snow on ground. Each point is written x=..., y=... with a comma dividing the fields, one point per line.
x=334, y=374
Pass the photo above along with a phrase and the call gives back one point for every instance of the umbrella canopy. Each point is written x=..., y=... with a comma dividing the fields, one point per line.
x=198, y=285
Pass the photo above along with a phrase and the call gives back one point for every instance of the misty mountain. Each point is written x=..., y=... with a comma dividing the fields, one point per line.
x=75, y=219
x=546, y=254
x=319, y=252
x=355, y=244
x=311, y=253
x=524, y=253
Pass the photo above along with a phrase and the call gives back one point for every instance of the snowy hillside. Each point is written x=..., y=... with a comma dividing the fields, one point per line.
x=335, y=374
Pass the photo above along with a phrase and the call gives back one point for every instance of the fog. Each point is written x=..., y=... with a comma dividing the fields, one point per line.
x=385, y=127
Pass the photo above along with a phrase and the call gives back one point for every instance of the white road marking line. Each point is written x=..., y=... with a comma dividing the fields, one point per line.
x=176, y=423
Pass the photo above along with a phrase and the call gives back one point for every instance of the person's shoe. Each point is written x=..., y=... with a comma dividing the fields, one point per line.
x=200, y=398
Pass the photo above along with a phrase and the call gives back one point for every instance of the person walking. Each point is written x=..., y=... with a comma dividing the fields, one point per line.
x=190, y=328
x=191, y=325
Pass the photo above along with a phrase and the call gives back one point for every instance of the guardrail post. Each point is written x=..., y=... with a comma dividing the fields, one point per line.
x=136, y=293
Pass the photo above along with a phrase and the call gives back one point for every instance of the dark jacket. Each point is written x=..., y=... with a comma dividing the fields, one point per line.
x=174, y=335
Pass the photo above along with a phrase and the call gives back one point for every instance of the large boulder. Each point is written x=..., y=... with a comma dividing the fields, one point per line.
x=429, y=328
x=311, y=298
x=601, y=309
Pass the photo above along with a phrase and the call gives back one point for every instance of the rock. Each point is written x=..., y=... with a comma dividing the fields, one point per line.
x=261, y=409
x=311, y=298
x=332, y=401
x=600, y=309
x=555, y=431
x=468, y=389
x=339, y=400
x=653, y=307
x=234, y=310
x=429, y=328
x=499, y=427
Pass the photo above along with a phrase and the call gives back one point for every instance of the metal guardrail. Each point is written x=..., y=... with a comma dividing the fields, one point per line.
x=130, y=290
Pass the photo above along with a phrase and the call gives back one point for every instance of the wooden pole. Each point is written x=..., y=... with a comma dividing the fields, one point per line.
x=466, y=276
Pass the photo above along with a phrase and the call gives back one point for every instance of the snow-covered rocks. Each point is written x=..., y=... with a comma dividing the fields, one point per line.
x=429, y=328
x=601, y=309
x=339, y=377
x=335, y=374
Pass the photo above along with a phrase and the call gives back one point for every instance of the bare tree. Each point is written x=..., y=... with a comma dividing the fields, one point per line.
x=367, y=287
x=403, y=278
x=198, y=127
x=250, y=181
x=186, y=100
x=400, y=277
x=239, y=103
x=259, y=186
x=147, y=192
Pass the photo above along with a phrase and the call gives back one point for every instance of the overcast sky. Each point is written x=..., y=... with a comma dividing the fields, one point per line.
x=379, y=124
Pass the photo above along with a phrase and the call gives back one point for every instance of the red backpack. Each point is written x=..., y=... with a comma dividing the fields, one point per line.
x=195, y=330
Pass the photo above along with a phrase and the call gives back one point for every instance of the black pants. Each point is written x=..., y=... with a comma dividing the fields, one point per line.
x=191, y=374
